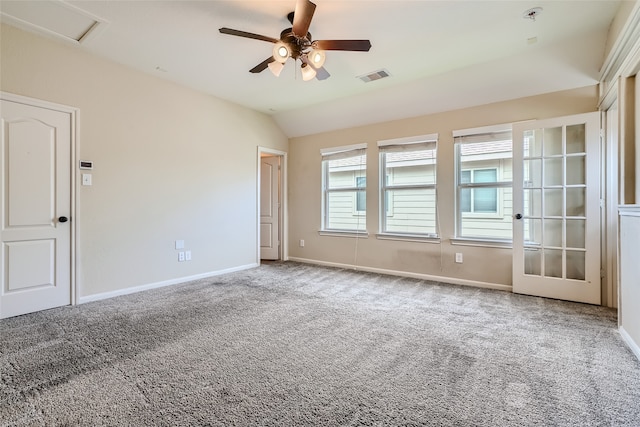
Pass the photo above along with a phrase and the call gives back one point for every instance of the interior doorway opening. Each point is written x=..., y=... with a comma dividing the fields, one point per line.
x=271, y=202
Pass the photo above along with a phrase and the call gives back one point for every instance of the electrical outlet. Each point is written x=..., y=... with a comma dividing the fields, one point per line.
x=187, y=255
x=180, y=256
x=301, y=243
x=459, y=258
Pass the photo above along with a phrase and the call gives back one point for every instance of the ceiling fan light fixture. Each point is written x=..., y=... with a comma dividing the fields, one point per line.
x=276, y=68
x=281, y=52
x=317, y=57
x=308, y=72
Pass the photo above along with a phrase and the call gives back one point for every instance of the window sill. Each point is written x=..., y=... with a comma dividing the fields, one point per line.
x=477, y=241
x=345, y=233
x=408, y=237
x=482, y=216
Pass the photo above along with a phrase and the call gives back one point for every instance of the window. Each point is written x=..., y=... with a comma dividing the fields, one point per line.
x=479, y=200
x=483, y=183
x=408, y=187
x=344, y=185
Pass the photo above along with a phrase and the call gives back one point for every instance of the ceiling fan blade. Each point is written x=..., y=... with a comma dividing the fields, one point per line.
x=352, y=45
x=302, y=17
x=322, y=74
x=239, y=33
x=262, y=66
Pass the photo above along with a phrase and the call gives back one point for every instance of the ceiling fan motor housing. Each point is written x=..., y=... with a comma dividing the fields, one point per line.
x=297, y=45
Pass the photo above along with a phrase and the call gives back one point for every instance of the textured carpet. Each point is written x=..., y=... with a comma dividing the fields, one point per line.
x=294, y=344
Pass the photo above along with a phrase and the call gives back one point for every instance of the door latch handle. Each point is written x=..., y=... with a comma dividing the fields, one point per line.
x=63, y=219
x=518, y=216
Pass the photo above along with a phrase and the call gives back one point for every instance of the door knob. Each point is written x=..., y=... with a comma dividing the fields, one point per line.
x=63, y=219
x=518, y=216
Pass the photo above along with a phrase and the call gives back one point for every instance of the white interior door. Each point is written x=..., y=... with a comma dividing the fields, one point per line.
x=36, y=206
x=270, y=208
x=556, y=196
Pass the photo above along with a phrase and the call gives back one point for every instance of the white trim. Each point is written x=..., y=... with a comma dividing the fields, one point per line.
x=156, y=285
x=334, y=150
x=629, y=210
x=622, y=56
x=440, y=279
x=74, y=255
x=432, y=137
x=633, y=346
x=345, y=233
x=504, y=127
x=422, y=238
x=284, y=208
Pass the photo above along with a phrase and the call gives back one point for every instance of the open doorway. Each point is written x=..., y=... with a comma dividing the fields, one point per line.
x=271, y=205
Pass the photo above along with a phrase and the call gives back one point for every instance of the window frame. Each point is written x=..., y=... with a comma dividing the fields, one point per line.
x=335, y=153
x=385, y=210
x=479, y=135
x=356, y=201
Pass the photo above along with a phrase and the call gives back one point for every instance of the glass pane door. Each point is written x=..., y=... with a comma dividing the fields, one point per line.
x=554, y=201
x=558, y=201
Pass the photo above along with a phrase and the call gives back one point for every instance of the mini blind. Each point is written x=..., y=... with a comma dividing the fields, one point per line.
x=484, y=134
x=414, y=143
x=337, y=153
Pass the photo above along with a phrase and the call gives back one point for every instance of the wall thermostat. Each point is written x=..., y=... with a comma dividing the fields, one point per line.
x=84, y=164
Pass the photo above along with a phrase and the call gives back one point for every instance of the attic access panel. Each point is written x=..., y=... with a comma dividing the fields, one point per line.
x=57, y=19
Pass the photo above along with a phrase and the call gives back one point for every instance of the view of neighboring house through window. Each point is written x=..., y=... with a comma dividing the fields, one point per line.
x=344, y=185
x=408, y=186
x=484, y=196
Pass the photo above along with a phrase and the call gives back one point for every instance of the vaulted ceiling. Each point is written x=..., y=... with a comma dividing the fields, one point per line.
x=441, y=55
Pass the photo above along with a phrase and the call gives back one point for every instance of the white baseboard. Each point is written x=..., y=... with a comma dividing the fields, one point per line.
x=132, y=290
x=634, y=346
x=421, y=276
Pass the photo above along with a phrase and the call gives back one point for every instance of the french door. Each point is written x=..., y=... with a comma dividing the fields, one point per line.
x=556, y=197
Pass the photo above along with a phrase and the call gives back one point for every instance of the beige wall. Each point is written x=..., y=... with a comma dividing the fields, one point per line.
x=170, y=163
x=488, y=265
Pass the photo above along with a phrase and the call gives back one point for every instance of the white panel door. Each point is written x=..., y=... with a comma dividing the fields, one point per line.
x=36, y=206
x=556, y=198
x=270, y=208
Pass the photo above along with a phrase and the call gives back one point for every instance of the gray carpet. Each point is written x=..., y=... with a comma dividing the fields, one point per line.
x=293, y=344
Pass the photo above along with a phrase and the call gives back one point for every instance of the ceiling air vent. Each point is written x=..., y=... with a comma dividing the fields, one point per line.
x=376, y=75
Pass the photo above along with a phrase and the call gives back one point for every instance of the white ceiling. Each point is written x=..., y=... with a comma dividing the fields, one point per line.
x=441, y=55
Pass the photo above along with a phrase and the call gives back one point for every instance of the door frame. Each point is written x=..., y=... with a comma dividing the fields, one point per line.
x=282, y=218
x=74, y=132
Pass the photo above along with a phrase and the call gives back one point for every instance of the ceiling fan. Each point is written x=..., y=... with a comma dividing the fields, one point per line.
x=296, y=43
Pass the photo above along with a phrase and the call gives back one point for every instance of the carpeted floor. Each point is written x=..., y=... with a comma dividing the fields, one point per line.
x=292, y=344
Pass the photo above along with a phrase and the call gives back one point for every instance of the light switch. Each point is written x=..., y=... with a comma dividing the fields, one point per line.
x=86, y=179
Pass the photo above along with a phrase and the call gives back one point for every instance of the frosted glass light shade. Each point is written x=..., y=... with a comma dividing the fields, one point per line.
x=317, y=58
x=281, y=52
x=307, y=72
x=276, y=67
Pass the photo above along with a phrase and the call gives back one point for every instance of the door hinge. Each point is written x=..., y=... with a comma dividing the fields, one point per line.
x=602, y=203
